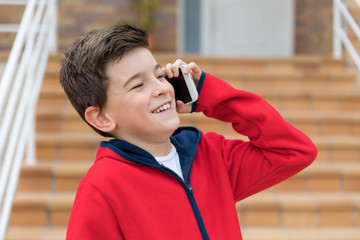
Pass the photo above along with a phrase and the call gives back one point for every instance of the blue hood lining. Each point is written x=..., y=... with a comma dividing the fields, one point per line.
x=185, y=140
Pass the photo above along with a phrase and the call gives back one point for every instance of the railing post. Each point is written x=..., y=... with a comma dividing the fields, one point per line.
x=53, y=22
x=337, y=48
x=14, y=54
x=30, y=145
x=31, y=142
x=20, y=89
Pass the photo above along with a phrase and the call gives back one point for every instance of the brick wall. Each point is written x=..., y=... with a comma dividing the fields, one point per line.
x=76, y=17
x=312, y=35
x=81, y=16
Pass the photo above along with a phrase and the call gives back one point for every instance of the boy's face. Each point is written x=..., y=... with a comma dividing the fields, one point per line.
x=140, y=100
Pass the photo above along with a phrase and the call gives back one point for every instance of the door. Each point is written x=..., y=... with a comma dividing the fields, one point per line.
x=246, y=27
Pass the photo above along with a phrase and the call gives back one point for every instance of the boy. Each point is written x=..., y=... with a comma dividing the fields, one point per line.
x=154, y=180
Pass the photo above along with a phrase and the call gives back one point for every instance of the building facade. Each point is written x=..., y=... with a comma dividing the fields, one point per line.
x=217, y=27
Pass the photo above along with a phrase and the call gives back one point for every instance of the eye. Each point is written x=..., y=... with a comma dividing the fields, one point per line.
x=161, y=76
x=137, y=86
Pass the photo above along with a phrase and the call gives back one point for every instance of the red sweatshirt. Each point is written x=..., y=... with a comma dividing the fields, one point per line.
x=127, y=194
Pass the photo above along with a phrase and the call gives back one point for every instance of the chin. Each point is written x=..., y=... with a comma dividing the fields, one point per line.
x=174, y=124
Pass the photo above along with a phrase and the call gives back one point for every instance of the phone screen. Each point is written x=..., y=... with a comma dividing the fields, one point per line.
x=181, y=91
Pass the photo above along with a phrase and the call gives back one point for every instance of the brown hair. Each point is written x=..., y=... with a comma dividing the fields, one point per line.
x=83, y=69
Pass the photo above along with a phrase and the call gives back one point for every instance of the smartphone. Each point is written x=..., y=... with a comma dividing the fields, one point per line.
x=184, y=87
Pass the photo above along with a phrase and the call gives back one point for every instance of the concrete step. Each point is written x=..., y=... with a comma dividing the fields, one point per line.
x=4, y=55
x=268, y=78
x=286, y=80
x=299, y=72
x=313, y=101
x=249, y=233
x=36, y=233
x=319, y=177
x=67, y=146
x=334, y=149
x=337, y=148
x=311, y=122
x=302, y=233
x=282, y=100
x=300, y=210
x=220, y=63
x=325, y=123
x=45, y=176
x=52, y=96
x=40, y=208
x=83, y=146
x=266, y=209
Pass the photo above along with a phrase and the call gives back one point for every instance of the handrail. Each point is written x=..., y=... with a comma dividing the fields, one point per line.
x=19, y=90
x=341, y=19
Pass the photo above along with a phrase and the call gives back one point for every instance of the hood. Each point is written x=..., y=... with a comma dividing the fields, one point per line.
x=185, y=140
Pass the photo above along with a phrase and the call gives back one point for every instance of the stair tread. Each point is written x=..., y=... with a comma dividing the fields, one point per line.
x=69, y=169
x=36, y=233
x=249, y=233
x=65, y=176
x=315, y=61
x=280, y=204
x=57, y=91
x=56, y=169
x=68, y=138
x=342, y=167
x=335, y=140
x=77, y=137
x=92, y=139
x=45, y=197
x=236, y=68
x=289, y=197
x=239, y=74
x=42, y=198
x=25, y=233
x=340, y=141
x=50, y=112
x=301, y=233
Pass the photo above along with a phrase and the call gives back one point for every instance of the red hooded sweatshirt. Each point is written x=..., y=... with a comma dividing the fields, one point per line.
x=127, y=194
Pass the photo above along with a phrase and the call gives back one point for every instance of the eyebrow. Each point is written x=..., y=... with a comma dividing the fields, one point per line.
x=137, y=75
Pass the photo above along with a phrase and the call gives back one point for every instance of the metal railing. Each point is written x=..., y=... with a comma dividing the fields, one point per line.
x=342, y=20
x=20, y=86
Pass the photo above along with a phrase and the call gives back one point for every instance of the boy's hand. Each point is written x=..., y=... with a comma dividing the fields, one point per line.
x=172, y=70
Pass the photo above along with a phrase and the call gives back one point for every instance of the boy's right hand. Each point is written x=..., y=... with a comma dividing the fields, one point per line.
x=172, y=70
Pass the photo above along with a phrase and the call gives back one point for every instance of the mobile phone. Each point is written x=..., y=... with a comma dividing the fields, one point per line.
x=184, y=87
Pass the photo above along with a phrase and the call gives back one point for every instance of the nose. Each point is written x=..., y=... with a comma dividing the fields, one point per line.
x=160, y=88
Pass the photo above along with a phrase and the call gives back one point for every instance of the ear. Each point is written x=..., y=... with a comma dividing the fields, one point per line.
x=99, y=119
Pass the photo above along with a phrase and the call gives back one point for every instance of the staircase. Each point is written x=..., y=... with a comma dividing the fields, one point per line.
x=316, y=94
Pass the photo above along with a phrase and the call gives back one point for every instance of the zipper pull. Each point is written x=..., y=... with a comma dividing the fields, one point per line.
x=190, y=187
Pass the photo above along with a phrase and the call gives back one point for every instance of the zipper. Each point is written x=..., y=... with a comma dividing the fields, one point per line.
x=179, y=178
x=189, y=187
x=189, y=190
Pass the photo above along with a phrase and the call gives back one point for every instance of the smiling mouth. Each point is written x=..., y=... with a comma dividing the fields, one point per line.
x=163, y=108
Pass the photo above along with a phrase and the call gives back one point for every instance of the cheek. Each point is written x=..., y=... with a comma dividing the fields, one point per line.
x=138, y=103
x=171, y=89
